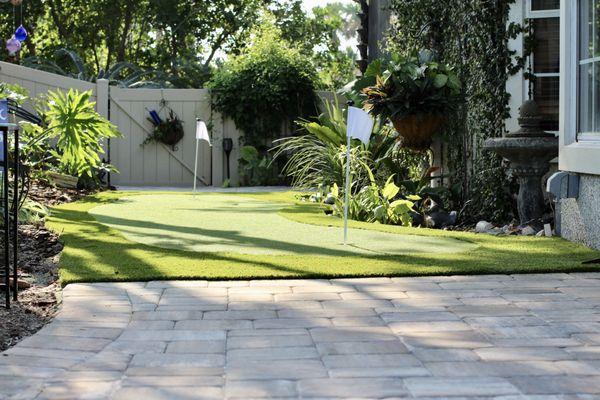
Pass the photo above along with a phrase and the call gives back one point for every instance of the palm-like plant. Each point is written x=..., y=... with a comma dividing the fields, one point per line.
x=317, y=157
x=79, y=131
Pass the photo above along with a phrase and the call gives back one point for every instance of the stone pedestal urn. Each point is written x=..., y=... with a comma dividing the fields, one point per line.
x=529, y=151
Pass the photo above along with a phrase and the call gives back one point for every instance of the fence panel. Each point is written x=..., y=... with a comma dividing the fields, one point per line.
x=156, y=164
x=152, y=164
x=40, y=82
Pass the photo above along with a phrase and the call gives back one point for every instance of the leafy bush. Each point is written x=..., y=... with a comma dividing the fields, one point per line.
x=78, y=129
x=414, y=85
x=267, y=86
x=375, y=203
x=14, y=92
x=254, y=168
x=317, y=157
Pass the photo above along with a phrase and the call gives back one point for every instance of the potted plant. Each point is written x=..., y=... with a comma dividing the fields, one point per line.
x=416, y=94
x=168, y=131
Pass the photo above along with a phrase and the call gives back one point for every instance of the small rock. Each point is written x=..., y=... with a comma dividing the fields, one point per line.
x=483, y=227
x=540, y=233
x=528, y=231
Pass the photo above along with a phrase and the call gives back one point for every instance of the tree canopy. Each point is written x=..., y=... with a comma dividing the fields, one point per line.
x=184, y=38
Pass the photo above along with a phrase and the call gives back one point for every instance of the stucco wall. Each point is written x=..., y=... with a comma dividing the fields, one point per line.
x=580, y=219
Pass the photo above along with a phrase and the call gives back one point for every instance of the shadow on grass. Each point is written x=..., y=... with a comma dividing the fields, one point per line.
x=95, y=252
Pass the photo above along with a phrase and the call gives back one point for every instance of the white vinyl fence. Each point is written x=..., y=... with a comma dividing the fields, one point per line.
x=152, y=164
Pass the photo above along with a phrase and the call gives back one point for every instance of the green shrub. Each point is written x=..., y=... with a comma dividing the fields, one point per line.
x=254, y=168
x=376, y=203
x=266, y=87
x=14, y=92
x=79, y=132
x=317, y=157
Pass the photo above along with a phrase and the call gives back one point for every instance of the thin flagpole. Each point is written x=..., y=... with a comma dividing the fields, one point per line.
x=347, y=191
x=195, y=167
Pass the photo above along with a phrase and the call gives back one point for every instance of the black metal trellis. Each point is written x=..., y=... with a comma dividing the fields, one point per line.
x=10, y=229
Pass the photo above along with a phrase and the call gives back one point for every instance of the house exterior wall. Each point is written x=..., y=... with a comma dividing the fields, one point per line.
x=579, y=153
x=580, y=218
x=577, y=219
x=516, y=85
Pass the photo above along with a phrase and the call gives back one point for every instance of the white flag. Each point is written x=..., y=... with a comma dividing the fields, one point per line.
x=360, y=124
x=202, y=131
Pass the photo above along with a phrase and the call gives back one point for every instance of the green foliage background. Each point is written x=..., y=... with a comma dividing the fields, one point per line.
x=473, y=36
x=184, y=39
x=267, y=86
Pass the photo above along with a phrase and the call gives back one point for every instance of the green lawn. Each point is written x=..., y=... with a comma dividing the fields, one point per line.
x=134, y=236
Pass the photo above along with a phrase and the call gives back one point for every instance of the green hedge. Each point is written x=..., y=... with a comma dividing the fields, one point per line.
x=267, y=86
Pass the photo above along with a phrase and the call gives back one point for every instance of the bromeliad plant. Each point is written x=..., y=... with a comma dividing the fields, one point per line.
x=416, y=94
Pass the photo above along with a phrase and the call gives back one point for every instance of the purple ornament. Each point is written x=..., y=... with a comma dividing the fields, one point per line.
x=13, y=46
x=21, y=33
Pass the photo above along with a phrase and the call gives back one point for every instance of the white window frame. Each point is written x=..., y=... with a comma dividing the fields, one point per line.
x=538, y=14
x=532, y=14
x=576, y=155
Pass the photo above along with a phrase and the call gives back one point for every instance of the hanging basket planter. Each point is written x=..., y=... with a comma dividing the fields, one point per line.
x=169, y=131
x=417, y=130
x=417, y=94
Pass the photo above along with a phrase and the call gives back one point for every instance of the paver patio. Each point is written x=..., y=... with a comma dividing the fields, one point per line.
x=505, y=337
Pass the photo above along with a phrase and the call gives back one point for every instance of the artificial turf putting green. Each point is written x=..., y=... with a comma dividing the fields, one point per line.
x=222, y=223
x=97, y=252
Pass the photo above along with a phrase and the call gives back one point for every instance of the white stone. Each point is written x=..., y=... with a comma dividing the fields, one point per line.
x=483, y=227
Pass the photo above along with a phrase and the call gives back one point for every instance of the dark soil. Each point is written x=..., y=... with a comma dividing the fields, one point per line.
x=39, y=252
x=52, y=196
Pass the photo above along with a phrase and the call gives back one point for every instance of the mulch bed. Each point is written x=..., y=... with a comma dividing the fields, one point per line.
x=39, y=252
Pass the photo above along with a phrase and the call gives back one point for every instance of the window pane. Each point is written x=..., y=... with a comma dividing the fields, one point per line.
x=546, y=95
x=545, y=5
x=586, y=29
x=589, y=67
x=546, y=32
x=586, y=98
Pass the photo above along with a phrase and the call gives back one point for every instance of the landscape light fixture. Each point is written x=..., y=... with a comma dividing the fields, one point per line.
x=7, y=128
x=227, y=148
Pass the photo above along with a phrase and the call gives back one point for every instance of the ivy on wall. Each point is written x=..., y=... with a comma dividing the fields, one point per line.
x=473, y=36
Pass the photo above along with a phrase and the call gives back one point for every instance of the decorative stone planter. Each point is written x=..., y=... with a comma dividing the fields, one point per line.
x=529, y=151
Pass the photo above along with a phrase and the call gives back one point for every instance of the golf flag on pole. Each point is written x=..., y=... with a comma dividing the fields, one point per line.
x=202, y=131
x=359, y=126
x=201, y=134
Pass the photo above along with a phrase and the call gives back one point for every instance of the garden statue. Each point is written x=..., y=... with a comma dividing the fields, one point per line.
x=529, y=151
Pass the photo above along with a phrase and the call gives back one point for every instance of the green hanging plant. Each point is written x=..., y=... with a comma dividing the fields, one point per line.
x=169, y=131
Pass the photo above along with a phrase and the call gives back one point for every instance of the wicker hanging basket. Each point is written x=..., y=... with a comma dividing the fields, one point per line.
x=171, y=132
x=417, y=130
